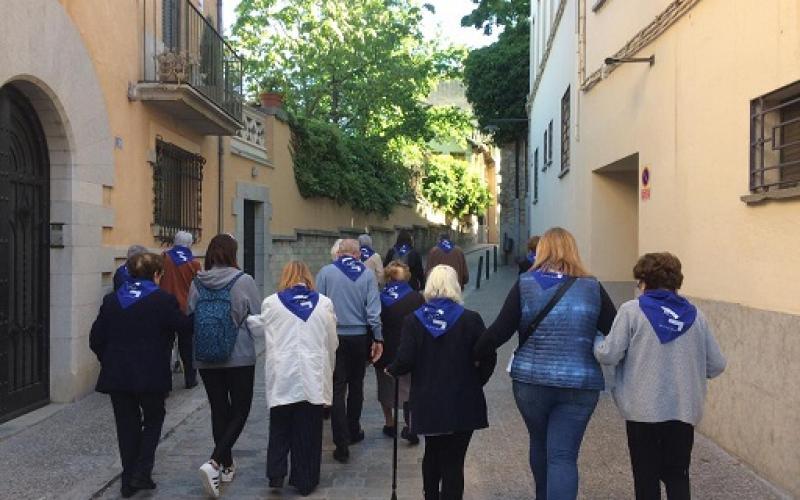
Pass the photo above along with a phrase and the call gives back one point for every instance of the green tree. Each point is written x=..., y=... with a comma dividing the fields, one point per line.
x=490, y=13
x=449, y=186
x=497, y=78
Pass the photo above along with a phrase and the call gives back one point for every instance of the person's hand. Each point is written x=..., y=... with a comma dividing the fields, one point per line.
x=377, y=351
x=387, y=372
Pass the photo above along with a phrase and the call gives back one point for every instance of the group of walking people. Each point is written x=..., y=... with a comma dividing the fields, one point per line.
x=409, y=322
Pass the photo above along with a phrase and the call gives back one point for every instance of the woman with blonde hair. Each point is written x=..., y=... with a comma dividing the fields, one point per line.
x=299, y=327
x=557, y=308
x=447, y=401
x=398, y=300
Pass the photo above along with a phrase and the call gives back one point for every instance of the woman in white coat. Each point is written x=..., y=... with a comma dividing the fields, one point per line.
x=299, y=326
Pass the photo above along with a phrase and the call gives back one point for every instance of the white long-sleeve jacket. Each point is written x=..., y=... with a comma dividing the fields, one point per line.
x=299, y=355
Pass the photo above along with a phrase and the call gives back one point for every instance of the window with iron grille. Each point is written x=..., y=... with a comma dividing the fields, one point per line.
x=565, y=119
x=775, y=140
x=550, y=143
x=536, y=175
x=178, y=191
x=544, y=156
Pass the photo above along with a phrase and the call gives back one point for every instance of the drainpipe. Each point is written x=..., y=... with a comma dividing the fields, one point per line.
x=220, y=151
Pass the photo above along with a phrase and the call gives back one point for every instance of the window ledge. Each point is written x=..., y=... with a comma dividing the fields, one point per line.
x=780, y=194
x=563, y=173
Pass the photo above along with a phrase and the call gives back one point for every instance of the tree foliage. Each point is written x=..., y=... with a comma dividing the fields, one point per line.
x=449, y=186
x=490, y=13
x=497, y=78
x=355, y=75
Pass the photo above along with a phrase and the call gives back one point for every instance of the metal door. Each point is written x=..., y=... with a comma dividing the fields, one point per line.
x=249, y=243
x=24, y=257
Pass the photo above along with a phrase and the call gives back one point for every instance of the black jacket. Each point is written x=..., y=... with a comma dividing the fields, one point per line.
x=392, y=318
x=134, y=345
x=414, y=262
x=446, y=386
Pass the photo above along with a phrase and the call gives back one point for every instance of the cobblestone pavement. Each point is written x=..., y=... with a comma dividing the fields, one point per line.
x=73, y=453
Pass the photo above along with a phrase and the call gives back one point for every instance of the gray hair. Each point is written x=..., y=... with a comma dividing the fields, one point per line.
x=183, y=239
x=349, y=247
x=134, y=250
x=442, y=283
x=365, y=240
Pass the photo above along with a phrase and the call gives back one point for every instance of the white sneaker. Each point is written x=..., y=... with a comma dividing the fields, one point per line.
x=227, y=473
x=210, y=476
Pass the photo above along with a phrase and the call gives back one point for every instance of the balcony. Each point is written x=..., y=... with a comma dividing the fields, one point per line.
x=188, y=70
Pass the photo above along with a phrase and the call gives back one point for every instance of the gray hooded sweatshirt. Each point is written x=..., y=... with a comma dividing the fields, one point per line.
x=245, y=300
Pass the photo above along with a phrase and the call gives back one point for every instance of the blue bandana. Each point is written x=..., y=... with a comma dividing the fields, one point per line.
x=531, y=257
x=299, y=300
x=439, y=315
x=548, y=279
x=123, y=271
x=402, y=250
x=669, y=313
x=366, y=253
x=180, y=255
x=132, y=291
x=350, y=267
x=446, y=245
x=394, y=291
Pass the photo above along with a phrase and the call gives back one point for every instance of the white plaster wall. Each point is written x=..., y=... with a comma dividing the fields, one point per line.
x=57, y=74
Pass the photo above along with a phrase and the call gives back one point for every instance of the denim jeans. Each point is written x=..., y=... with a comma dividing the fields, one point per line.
x=556, y=419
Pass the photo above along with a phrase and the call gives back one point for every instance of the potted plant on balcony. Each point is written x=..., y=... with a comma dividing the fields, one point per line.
x=174, y=67
x=271, y=95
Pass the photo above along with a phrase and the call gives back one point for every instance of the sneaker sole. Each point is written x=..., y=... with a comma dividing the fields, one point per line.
x=208, y=485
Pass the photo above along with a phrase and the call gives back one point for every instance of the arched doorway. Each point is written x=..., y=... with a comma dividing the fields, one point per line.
x=24, y=256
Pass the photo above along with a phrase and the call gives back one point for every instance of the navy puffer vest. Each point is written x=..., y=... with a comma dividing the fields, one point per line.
x=560, y=352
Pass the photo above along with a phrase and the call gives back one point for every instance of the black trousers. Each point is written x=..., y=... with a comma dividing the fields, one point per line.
x=660, y=452
x=295, y=429
x=348, y=387
x=230, y=394
x=186, y=351
x=443, y=466
x=139, y=417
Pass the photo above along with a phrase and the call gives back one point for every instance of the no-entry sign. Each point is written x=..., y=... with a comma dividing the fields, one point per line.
x=646, y=183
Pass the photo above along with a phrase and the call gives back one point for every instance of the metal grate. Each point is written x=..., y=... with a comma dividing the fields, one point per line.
x=775, y=140
x=565, y=120
x=178, y=191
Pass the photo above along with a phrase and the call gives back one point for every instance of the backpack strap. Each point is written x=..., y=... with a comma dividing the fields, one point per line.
x=562, y=289
x=233, y=281
x=202, y=291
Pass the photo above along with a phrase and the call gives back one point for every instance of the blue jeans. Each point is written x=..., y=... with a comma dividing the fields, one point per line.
x=556, y=419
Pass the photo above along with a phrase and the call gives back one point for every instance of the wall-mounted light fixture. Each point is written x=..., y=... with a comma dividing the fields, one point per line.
x=614, y=60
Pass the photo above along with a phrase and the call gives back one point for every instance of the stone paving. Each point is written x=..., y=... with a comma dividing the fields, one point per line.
x=73, y=454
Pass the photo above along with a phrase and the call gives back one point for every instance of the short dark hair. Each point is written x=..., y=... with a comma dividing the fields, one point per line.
x=145, y=266
x=444, y=235
x=533, y=242
x=221, y=252
x=659, y=270
x=403, y=238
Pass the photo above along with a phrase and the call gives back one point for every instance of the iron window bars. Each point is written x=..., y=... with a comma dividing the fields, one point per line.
x=565, y=120
x=178, y=191
x=775, y=121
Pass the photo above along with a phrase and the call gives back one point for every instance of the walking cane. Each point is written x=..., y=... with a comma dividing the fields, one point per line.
x=396, y=421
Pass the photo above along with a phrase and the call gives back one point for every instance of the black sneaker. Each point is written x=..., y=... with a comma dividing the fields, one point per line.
x=141, y=483
x=411, y=438
x=357, y=437
x=276, y=482
x=388, y=431
x=127, y=491
x=341, y=454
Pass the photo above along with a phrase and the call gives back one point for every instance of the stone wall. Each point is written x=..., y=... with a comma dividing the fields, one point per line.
x=313, y=246
x=513, y=199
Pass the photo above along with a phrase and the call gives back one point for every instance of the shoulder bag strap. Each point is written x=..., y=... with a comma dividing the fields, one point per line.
x=550, y=305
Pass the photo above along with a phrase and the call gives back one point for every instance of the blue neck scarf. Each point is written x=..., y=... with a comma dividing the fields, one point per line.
x=180, y=255
x=531, y=257
x=299, y=300
x=394, y=291
x=366, y=253
x=123, y=271
x=132, y=291
x=548, y=279
x=402, y=250
x=439, y=315
x=350, y=267
x=670, y=314
x=446, y=245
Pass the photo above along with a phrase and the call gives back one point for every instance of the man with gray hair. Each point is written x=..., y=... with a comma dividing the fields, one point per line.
x=371, y=258
x=180, y=268
x=354, y=293
x=122, y=275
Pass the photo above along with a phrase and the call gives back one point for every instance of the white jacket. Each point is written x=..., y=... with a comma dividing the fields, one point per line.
x=299, y=355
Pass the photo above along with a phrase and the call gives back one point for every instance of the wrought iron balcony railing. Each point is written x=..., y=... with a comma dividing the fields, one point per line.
x=180, y=46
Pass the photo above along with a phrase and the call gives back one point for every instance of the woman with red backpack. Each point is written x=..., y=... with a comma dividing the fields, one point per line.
x=221, y=297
